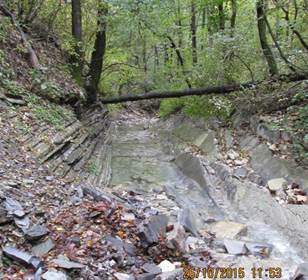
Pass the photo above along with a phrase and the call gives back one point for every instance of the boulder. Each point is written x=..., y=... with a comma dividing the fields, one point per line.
x=227, y=229
x=151, y=231
x=171, y=275
x=120, y=245
x=151, y=268
x=301, y=272
x=4, y=218
x=235, y=247
x=193, y=243
x=266, y=132
x=43, y=248
x=240, y=172
x=166, y=266
x=259, y=249
x=188, y=220
x=53, y=274
x=176, y=238
x=36, y=232
x=277, y=184
x=14, y=207
x=233, y=154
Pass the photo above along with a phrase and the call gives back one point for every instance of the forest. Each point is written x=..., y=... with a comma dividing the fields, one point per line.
x=121, y=47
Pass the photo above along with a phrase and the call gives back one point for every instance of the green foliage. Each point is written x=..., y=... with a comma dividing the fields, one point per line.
x=300, y=96
x=170, y=106
x=204, y=107
x=50, y=113
x=14, y=88
x=207, y=107
x=140, y=57
x=45, y=87
x=113, y=108
x=4, y=28
x=92, y=168
x=24, y=128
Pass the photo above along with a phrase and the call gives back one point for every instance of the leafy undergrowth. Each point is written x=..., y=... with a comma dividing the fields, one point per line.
x=196, y=107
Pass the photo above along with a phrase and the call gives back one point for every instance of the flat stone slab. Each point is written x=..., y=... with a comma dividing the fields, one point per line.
x=226, y=229
x=235, y=247
x=53, y=274
x=36, y=232
x=22, y=257
x=63, y=262
x=43, y=248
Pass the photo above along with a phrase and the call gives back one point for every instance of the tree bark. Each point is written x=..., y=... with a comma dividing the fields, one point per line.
x=301, y=39
x=221, y=16
x=193, y=28
x=267, y=52
x=180, y=58
x=77, y=58
x=289, y=64
x=97, y=57
x=200, y=91
x=233, y=17
x=144, y=54
x=209, y=24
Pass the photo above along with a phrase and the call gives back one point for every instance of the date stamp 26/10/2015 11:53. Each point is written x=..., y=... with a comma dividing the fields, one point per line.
x=191, y=273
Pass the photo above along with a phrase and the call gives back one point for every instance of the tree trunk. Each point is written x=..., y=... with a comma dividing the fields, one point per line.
x=221, y=16
x=267, y=52
x=180, y=58
x=289, y=64
x=233, y=17
x=179, y=25
x=77, y=57
x=97, y=57
x=209, y=11
x=166, y=54
x=156, y=52
x=193, y=28
x=200, y=91
x=144, y=54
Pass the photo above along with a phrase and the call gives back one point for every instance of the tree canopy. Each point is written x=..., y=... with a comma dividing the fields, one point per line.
x=121, y=46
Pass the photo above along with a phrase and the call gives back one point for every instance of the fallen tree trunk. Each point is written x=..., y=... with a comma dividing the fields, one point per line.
x=200, y=91
x=32, y=55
